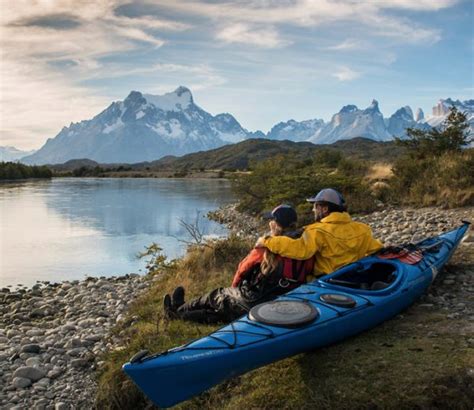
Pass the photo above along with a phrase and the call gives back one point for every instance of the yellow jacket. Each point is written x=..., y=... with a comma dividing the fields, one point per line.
x=335, y=241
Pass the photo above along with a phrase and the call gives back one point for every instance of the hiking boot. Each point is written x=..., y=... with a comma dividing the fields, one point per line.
x=170, y=313
x=177, y=299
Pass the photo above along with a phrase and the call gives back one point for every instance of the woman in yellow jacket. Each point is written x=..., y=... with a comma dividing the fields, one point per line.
x=334, y=239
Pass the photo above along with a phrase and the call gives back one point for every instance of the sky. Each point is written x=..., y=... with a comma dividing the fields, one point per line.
x=263, y=61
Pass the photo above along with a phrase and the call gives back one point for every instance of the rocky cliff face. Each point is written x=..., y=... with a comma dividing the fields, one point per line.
x=441, y=111
x=296, y=131
x=351, y=122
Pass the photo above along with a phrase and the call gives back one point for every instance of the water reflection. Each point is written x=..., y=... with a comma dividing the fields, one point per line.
x=67, y=228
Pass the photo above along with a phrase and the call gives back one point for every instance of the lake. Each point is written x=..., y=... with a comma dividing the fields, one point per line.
x=70, y=228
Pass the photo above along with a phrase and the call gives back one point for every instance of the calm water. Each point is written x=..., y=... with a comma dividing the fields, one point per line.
x=69, y=228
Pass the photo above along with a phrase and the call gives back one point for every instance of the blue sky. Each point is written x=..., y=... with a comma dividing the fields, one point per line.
x=262, y=61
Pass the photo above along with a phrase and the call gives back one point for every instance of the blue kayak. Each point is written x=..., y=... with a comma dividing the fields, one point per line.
x=352, y=299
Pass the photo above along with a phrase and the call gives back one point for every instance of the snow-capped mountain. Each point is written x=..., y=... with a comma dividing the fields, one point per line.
x=403, y=119
x=147, y=127
x=295, y=131
x=143, y=127
x=351, y=122
x=441, y=111
x=10, y=153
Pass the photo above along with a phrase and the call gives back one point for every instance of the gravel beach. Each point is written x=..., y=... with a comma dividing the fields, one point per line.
x=52, y=335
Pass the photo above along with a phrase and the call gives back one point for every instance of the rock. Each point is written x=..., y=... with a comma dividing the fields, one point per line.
x=33, y=362
x=55, y=373
x=79, y=363
x=76, y=351
x=32, y=373
x=12, y=332
x=30, y=348
x=41, y=403
x=61, y=406
x=43, y=382
x=21, y=382
x=93, y=338
x=37, y=313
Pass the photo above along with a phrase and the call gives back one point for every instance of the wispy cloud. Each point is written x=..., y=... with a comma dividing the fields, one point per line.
x=304, y=13
x=346, y=74
x=349, y=44
x=266, y=37
x=49, y=48
x=36, y=103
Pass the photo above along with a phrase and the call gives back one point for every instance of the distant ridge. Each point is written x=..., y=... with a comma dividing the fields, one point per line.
x=146, y=127
x=241, y=155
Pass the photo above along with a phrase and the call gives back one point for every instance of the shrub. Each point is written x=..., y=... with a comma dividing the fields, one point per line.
x=15, y=170
x=436, y=170
x=285, y=180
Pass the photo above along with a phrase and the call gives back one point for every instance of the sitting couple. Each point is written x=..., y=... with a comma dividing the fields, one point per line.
x=282, y=261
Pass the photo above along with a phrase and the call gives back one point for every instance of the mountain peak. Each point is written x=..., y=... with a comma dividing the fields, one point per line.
x=420, y=115
x=348, y=108
x=134, y=96
x=181, y=90
x=132, y=103
x=178, y=100
x=373, y=107
x=404, y=112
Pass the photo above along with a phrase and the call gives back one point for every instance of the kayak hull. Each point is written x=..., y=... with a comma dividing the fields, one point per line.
x=181, y=373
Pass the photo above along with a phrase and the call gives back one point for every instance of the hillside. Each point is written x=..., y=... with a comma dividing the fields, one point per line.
x=239, y=156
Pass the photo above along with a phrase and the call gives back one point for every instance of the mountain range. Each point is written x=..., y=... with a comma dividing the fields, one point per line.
x=9, y=153
x=145, y=127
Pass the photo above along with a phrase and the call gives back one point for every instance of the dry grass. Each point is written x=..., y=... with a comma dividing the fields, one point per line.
x=380, y=172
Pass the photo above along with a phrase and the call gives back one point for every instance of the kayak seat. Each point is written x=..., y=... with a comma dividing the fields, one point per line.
x=375, y=276
x=379, y=285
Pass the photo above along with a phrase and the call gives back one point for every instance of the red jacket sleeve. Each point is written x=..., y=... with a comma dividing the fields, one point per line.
x=253, y=258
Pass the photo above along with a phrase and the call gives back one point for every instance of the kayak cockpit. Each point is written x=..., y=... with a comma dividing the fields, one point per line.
x=373, y=275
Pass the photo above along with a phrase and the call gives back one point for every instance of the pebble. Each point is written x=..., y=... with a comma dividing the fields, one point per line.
x=32, y=373
x=48, y=336
x=21, y=382
x=30, y=348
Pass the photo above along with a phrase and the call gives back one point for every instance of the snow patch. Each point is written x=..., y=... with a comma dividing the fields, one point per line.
x=170, y=129
x=170, y=101
x=112, y=127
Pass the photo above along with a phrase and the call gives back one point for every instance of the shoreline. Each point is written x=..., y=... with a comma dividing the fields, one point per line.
x=52, y=336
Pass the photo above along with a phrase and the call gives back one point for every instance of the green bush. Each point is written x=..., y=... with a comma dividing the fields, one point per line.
x=436, y=170
x=15, y=170
x=285, y=180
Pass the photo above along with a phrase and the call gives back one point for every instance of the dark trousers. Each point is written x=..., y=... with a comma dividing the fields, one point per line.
x=219, y=305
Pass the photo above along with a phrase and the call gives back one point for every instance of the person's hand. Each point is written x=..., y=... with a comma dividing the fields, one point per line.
x=260, y=242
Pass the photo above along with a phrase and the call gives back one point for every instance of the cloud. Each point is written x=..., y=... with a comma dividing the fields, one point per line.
x=346, y=74
x=349, y=44
x=306, y=13
x=55, y=21
x=419, y=5
x=49, y=48
x=266, y=37
x=36, y=103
